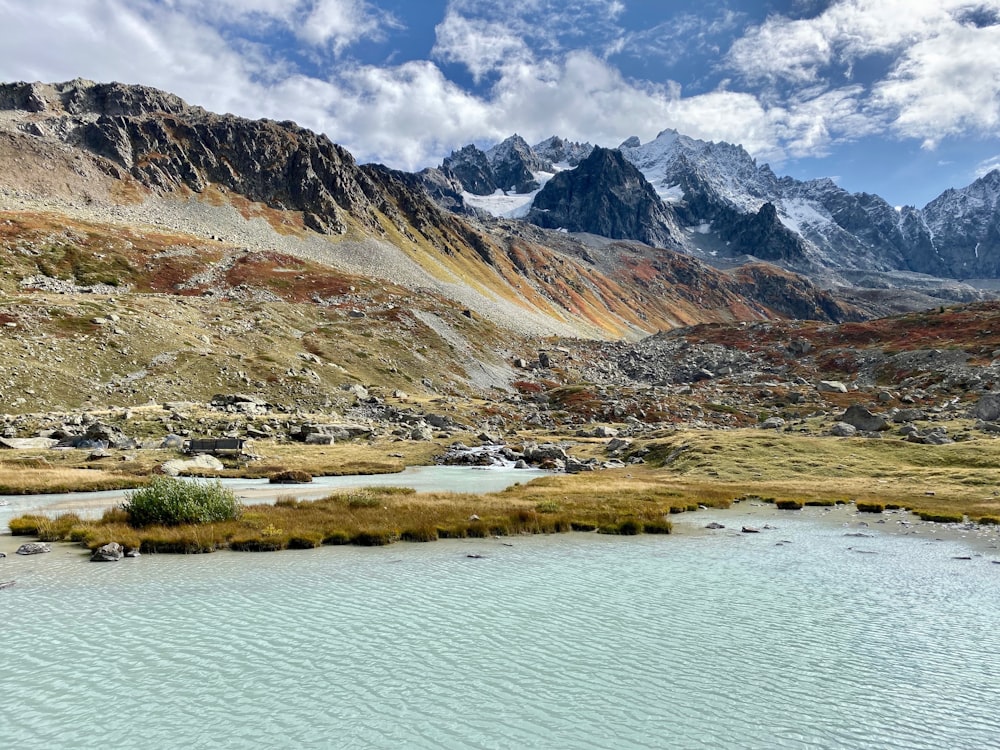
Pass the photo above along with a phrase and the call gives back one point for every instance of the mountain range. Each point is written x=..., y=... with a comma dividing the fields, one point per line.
x=717, y=203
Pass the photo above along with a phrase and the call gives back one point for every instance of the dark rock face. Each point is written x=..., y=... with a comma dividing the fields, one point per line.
x=167, y=145
x=555, y=150
x=964, y=226
x=472, y=169
x=608, y=196
x=513, y=163
x=764, y=236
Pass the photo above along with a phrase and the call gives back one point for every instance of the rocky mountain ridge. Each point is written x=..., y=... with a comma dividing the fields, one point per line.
x=732, y=207
x=294, y=192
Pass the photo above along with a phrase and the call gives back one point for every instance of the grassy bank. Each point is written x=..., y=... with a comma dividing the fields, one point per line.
x=683, y=470
x=370, y=517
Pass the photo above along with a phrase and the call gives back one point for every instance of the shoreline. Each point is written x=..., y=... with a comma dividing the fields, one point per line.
x=981, y=540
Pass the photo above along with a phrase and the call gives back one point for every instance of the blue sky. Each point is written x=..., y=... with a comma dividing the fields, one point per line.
x=895, y=97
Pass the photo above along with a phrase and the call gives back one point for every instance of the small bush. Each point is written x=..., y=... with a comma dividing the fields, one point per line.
x=172, y=502
x=27, y=525
x=547, y=506
x=989, y=521
x=290, y=476
x=870, y=507
x=788, y=505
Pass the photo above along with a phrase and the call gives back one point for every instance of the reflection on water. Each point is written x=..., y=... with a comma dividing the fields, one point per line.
x=797, y=637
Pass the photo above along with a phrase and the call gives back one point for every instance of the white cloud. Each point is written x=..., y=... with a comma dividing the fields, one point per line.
x=988, y=165
x=945, y=86
x=482, y=46
x=341, y=23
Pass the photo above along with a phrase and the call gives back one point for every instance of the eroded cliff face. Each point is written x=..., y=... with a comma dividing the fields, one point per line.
x=607, y=196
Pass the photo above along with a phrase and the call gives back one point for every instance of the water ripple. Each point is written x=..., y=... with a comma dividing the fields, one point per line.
x=570, y=642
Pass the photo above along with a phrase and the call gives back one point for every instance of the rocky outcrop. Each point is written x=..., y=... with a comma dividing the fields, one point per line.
x=514, y=163
x=607, y=196
x=555, y=150
x=471, y=168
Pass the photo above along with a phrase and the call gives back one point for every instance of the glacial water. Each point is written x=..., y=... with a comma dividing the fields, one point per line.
x=420, y=478
x=796, y=637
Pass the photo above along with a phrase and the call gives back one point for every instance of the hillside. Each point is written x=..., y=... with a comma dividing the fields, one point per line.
x=224, y=250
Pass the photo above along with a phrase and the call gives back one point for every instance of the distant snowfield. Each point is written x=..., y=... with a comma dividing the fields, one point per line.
x=509, y=205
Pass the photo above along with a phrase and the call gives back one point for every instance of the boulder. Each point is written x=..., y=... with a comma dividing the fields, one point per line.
x=27, y=444
x=831, y=386
x=110, y=552
x=860, y=418
x=535, y=453
x=604, y=432
x=178, y=466
x=34, y=548
x=987, y=408
x=772, y=423
x=908, y=415
x=617, y=445
x=842, y=429
x=422, y=432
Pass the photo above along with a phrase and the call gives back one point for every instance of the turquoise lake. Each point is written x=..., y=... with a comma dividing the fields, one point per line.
x=796, y=637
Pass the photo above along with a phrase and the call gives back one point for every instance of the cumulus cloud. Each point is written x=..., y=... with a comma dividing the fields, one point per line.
x=939, y=74
x=945, y=86
x=481, y=46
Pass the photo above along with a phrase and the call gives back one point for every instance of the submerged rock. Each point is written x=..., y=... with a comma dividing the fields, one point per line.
x=110, y=552
x=34, y=548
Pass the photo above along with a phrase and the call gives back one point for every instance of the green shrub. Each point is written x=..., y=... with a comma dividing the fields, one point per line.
x=870, y=507
x=171, y=502
x=788, y=505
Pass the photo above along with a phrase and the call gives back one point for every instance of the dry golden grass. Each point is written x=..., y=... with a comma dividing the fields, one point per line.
x=949, y=479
